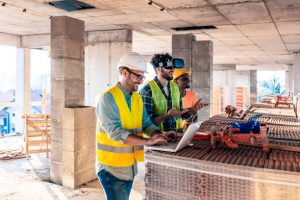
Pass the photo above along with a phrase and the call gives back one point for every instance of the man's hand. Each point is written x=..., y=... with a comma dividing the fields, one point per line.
x=157, y=139
x=198, y=105
x=173, y=112
x=171, y=135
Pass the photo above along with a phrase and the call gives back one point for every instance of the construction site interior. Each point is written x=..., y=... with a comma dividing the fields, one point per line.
x=56, y=56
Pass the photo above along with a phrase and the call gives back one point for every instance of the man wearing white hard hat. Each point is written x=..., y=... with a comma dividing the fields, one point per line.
x=121, y=121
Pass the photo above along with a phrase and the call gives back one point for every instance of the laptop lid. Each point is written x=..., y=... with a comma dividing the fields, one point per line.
x=185, y=140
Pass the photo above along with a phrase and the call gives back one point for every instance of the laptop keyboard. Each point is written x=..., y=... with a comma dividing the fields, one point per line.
x=170, y=145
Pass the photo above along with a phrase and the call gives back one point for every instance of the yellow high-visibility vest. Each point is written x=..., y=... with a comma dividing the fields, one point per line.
x=161, y=103
x=111, y=152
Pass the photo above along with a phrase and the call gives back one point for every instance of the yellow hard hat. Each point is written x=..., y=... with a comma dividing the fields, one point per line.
x=179, y=72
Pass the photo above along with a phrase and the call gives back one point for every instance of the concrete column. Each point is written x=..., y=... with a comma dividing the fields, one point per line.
x=103, y=51
x=287, y=89
x=182, y=48
x=291, y=78
x=296, y=73
x=253, y=86
x=202, y=74
x=67, y=81
x=225, y=75
x=198, y=58
x=23, y=90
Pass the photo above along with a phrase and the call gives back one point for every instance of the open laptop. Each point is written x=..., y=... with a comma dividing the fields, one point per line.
x=176, y=146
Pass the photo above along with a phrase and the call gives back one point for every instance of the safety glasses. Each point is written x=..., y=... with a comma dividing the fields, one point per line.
x=138, y=76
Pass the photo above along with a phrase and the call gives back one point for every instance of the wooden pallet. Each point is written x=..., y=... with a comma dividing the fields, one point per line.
x=37, y=133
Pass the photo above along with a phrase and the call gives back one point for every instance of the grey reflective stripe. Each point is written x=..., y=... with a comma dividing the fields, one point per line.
x=114, y=149
x=134, y=131
x=136, y=148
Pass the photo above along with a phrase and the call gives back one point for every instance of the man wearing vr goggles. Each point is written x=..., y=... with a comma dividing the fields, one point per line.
x=161, y=95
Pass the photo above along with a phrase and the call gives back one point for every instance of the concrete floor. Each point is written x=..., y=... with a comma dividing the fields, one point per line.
x=29, y=179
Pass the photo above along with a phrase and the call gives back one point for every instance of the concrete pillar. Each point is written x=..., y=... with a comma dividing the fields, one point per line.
x=291, y=78
x=67, y=81
x=253, y=86
x=198, y=58
x=202, y=74
x=296, y=73
x=182, y=48
x=23, y=90
x=224, y=75
x=103, y=51
x=287, y=89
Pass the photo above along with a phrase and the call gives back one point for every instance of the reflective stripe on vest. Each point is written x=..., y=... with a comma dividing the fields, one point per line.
x=115, y=149
x=161, y=103
x=133, y=131
x=111, y=152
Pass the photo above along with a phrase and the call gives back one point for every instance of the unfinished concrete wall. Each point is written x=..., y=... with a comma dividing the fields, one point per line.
x=291, y=78
x=182, y=48
x=103, y=51
x=243, y=80
x=224, y=75
x=296, y=73
x=253, y=86
x=202, y=74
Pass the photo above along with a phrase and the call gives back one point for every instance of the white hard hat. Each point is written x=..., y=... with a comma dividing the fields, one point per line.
x=133, y=61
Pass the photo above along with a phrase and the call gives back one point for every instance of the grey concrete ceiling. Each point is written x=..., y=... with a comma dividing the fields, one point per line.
x=248, y=31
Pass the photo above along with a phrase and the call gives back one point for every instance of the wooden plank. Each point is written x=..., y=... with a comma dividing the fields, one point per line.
x=38, y=151
x=36, y=142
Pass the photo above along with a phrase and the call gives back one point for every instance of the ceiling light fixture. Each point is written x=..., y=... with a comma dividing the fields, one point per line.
x=161, y=8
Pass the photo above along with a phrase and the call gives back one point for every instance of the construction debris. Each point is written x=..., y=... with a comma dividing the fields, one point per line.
x=12, y=154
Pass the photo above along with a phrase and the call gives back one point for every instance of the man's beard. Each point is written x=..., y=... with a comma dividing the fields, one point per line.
x=187, y=86
x=135, y=86
x=167, y=76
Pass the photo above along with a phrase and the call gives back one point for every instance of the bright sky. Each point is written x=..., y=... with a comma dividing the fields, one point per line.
x=7, y=67
x=40, y=65
x=270, y=75
x=8, y=60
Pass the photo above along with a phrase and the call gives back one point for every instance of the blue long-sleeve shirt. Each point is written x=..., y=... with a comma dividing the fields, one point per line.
x=108, y=113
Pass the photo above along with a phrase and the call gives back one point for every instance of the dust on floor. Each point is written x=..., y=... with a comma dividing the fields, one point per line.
x=29, y=179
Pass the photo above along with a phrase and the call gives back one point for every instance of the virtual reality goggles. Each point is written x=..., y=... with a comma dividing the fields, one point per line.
x=174, y=63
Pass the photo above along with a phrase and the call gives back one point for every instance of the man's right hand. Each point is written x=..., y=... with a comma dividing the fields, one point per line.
x=173, y=112
x=157, y=139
